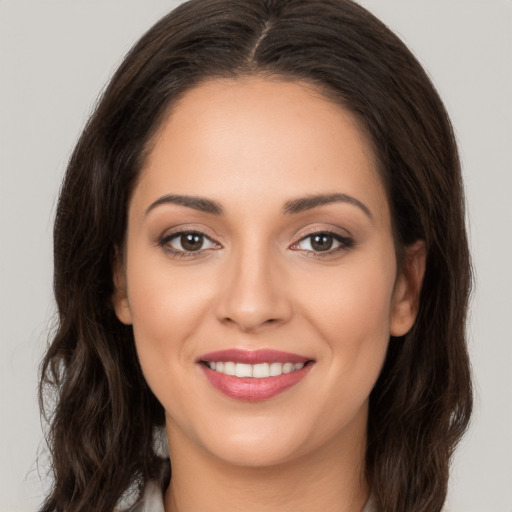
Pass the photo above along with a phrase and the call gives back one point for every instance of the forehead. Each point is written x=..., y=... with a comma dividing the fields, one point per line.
x=260, y=137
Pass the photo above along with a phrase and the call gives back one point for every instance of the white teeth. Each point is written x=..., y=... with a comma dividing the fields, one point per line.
x=258, y=371
x=276, y=369
x=287, y=367
x=229, y=368
x=243, y=370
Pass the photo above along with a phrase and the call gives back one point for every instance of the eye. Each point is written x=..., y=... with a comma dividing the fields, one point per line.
x=187, y=242
x=323, y=242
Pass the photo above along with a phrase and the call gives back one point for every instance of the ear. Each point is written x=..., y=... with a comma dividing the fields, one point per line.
x=405, y=303
x=120, y=295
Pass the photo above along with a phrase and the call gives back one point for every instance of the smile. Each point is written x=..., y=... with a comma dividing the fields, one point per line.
x=255, y=371
x=254, y=375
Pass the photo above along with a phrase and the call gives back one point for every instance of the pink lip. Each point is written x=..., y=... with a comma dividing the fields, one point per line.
x=252, y=389
x=253, y=356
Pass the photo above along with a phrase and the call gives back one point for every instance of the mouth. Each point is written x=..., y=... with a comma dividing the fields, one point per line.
x=255, y=371
x=254, y=375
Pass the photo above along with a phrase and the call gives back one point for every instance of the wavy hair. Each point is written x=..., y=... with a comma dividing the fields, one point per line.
x=103, y=417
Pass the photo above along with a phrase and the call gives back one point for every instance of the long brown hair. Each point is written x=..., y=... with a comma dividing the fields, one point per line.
x=101, y=429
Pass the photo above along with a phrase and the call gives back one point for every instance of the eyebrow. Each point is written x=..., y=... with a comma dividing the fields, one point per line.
x=291, y=207
x=197, y=203
x=309, y=202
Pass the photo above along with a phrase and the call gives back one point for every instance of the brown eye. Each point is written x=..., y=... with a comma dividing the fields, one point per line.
x=187, y=242
x=192, y=241
x=325, y=242
x=321, y=242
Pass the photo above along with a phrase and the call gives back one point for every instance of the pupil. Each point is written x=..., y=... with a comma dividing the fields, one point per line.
x=192, y=241
x=321, y=242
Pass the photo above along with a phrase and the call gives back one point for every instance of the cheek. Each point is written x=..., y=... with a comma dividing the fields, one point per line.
x=162, y=295
x=166, y=311
x=352, y=305
x=167, y=308
x=350, y=311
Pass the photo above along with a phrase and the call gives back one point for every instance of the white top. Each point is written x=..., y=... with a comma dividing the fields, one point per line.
x=152, y=501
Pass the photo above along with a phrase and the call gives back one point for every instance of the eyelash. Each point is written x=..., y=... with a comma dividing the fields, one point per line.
x=345, y=243
x=165, y=242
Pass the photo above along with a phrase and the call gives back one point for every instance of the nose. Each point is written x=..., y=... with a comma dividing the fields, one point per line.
x=254, y=293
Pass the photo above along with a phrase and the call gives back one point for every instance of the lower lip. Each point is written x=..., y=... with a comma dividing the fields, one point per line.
x=252, y=389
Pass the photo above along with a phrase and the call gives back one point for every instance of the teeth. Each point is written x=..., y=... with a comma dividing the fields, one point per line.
x=229, y=368
x=257, y=371
x=276, y=369
x=288, y=367
x=243, y=370
x=260, y=371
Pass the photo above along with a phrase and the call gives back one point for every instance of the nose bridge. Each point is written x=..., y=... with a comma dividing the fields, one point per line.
x=254, y=295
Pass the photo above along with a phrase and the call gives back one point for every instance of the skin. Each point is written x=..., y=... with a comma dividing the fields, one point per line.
x=252, y=145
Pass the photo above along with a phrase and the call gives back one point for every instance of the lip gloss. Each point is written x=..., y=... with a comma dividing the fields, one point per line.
x=253, y=388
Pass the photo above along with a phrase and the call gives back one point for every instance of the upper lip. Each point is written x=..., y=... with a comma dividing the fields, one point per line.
x=253, y=356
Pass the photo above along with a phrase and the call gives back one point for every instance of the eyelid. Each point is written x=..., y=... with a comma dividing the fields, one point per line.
x=165, y=240
x=184, y=228
x=346, y=241
x=318, y=228
x=342, y=236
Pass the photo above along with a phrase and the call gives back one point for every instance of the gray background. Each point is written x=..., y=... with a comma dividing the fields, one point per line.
x=55, y=57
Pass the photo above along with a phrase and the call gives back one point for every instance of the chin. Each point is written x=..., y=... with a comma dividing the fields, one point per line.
x=258, y=453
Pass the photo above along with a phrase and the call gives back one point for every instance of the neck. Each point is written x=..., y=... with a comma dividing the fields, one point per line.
x=330, y=479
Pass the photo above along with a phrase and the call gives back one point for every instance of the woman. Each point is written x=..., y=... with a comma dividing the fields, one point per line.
x=260, y=246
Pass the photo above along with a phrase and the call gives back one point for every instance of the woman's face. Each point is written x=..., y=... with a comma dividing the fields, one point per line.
x=259, y=243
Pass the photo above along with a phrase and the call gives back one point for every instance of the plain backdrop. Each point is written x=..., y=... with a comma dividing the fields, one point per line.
x=55, y=57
